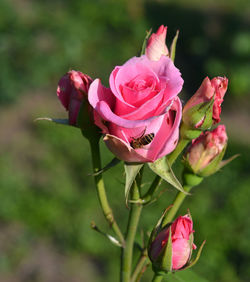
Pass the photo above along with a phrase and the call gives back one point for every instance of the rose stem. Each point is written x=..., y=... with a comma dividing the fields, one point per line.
x=157, y=277
x=142, y=261
x=127, y=252
x=179, y=148
x=176, y=205
x=101, y=192
x=188, y=184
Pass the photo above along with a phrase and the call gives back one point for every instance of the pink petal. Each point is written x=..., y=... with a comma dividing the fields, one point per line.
x=97, y=92
x=122, y=150
x=181, y=253
x=173, y=134
x=63, y=90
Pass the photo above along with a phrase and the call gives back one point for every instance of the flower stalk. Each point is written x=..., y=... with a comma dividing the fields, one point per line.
x=157, y=277
x=101, y=192
x=143, y=260
x=127, y=252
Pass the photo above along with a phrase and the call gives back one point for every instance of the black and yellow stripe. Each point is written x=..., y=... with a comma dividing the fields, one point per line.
x=142, y=141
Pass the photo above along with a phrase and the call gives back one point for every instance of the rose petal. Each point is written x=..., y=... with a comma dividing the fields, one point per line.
x=63, y=90
x=97, y=92
x=122, y=150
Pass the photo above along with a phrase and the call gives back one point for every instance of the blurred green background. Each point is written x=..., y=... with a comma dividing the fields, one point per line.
x=47, y=196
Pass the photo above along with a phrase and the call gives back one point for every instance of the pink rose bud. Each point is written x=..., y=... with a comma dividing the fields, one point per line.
x=204, y=107
x=206, y=152
x=156, y=46
x=182, y=244
x=72, y=89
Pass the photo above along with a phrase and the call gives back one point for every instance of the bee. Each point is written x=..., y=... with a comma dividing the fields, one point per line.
x=143, y=140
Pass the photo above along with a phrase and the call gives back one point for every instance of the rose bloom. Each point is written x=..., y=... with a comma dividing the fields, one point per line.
x=207, y=147
x=140, y=113
x=209, y=89
x=181, y=230
x=72, y=89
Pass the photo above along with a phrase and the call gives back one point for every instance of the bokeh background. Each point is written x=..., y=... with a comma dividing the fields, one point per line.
x=47, y=198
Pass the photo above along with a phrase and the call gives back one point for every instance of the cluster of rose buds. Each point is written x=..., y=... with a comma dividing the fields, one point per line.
x=141, y=118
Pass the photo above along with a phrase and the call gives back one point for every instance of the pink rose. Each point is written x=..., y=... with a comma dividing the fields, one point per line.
x=140, y=113
x=214, y=89
x=156, y=45
x=72, y=89
x=182, y=245
x=206, y=148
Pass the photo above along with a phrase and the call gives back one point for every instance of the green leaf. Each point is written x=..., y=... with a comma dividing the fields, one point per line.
x=111, y=164
x=55, y=120
x=162, y=168
x=144, y=44
x=131, y=170
x=173, y=46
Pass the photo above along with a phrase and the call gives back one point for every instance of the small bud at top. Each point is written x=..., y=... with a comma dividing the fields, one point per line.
x=156, y=46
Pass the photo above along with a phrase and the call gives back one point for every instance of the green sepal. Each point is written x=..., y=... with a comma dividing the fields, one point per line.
x=166, y=256
x=162, y=168
x=163, y=263
x=191, y=263
x=144, y=44
x=225, y=162
x=158, y=227
x=63, y=121
x=189, y=133
x=214, y=165
x=173, y=46
x=131, y=170
x=86, y=124
x=202, y=111
x=111, y=164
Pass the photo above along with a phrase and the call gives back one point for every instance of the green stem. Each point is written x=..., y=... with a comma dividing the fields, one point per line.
x=142, y=261
x=101, y=192
x=157, y=277
x=127, y=253
x=152, y=189
x=176, y=205
x=179, y=148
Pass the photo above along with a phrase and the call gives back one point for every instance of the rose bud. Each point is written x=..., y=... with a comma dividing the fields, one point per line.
x=156, y=46
x=172, y=247
x=72, y=89
x=204, y=107
x=206, y=152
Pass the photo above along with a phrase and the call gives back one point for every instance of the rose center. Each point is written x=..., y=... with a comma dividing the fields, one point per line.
x=141, y=82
